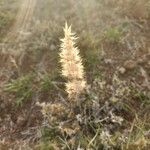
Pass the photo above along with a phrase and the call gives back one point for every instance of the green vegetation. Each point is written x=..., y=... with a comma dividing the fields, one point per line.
x=46, y=83
x=7, y=15
x=113, y=34
x=22, y=88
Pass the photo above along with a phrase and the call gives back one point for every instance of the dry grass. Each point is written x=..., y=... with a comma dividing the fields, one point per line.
x=72, y=67
x=112, y=112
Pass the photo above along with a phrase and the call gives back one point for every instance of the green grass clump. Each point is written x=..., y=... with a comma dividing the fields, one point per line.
x=113, y=34
x=6, y=19
x=22, y=89
x=45, y=83
x=7, y=15
x=47, y=140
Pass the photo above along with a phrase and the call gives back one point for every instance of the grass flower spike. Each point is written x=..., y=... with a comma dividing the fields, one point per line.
x=72, y=67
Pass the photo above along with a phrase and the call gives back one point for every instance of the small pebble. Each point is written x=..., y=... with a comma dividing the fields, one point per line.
x=130, y=64
x=52, y=47
x=122, y=70
x=108, y=61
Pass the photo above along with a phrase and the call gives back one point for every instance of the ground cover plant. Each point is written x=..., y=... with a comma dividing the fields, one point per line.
x=7, y=15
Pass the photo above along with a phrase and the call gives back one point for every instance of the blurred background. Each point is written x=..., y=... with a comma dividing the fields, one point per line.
x=114, y=38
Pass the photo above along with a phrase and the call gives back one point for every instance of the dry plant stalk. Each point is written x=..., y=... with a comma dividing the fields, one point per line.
x=72, y=67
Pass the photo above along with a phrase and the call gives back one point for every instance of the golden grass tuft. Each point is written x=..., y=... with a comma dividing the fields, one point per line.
x=72, y=67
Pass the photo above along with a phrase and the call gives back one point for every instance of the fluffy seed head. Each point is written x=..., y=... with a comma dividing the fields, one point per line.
x=72, y=67
x=75, y=87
